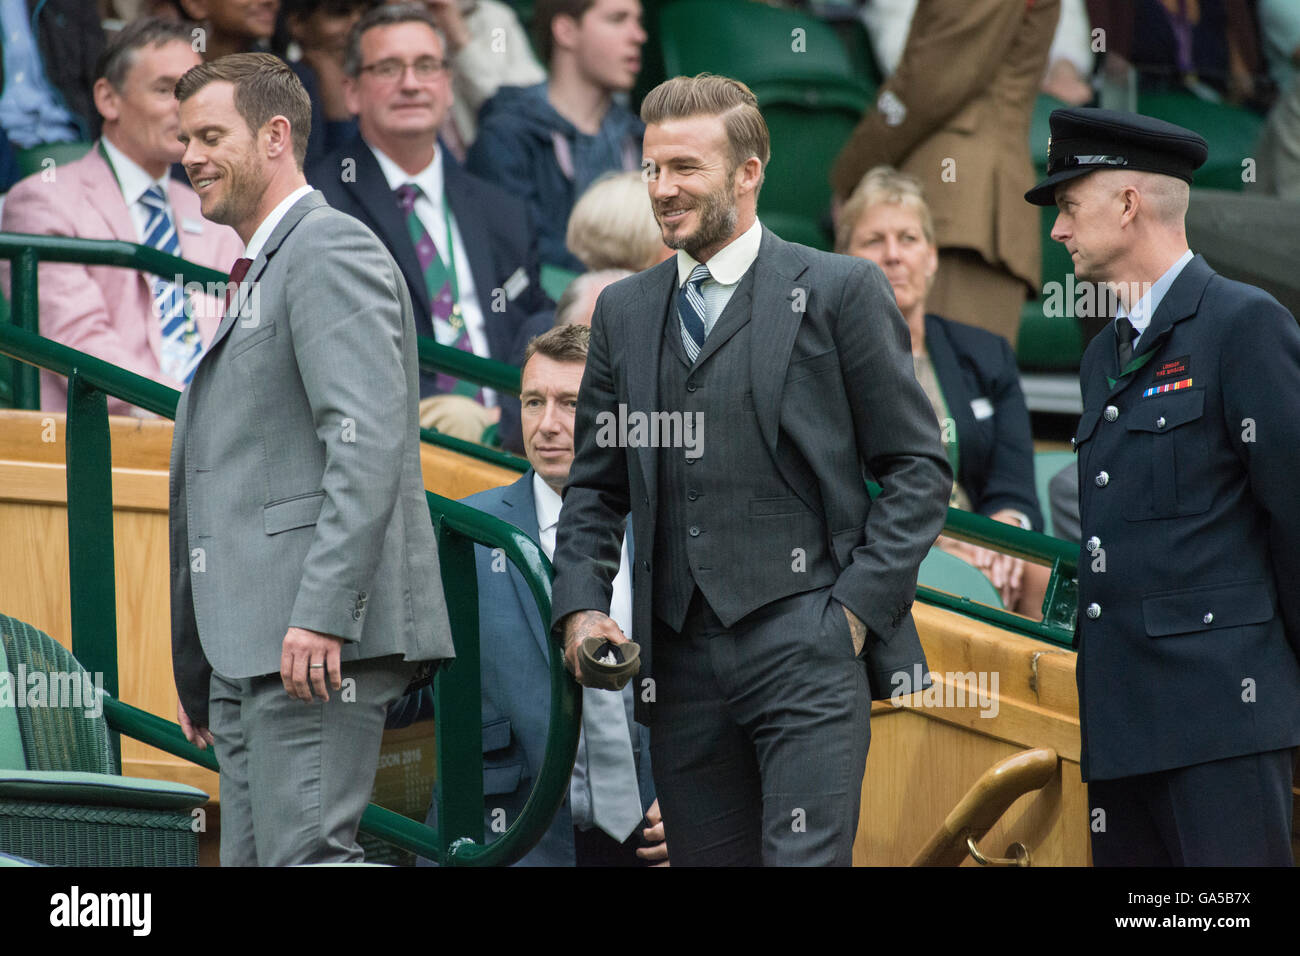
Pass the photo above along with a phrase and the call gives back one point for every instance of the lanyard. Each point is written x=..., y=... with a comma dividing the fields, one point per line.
x=456, y=319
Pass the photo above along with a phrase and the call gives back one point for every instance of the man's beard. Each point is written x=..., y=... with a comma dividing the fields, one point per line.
x=244, y=187
x=717, y=215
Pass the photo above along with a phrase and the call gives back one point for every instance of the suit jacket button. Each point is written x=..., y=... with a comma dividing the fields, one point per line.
x=1073, y=441
x=692, y=495
x=1094, y=610
x=694, y=532
x=691, y=386
x=1102, y=479
x=1093, y=544
x=1209, y=617
x=1111, y=413
x=645, y=565
x=356, y=615
x=1160, y=422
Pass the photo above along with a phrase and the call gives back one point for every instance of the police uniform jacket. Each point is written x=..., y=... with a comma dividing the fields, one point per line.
x=1189, y=601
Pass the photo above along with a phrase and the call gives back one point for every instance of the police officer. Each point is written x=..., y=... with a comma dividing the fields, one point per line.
x=1189, y=455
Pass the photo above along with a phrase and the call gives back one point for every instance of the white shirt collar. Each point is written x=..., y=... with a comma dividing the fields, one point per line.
x=268, y=225
x=1145, y=307
x=547, y=503
x=730, y=262
x=428, y=179
x=130, y=177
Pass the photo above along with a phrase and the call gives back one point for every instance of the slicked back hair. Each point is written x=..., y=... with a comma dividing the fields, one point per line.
x=564, y=343
x=708, y=94
x=264, y=87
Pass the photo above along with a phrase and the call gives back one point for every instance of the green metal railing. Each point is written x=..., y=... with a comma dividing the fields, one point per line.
x=458, y=840
x=25, y=251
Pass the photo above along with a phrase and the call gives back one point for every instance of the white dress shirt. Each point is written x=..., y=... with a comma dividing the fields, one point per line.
x=1146, y=306
x=263, y=232
x=429, y=210
x=547, y=503
x=728, y=265
x=134, y=182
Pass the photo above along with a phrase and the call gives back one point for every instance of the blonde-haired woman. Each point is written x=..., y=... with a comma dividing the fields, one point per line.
x=969, y=374
x=613, y=225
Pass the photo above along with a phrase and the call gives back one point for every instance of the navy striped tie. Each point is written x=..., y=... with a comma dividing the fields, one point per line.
x=181, y=346
x=692, y=311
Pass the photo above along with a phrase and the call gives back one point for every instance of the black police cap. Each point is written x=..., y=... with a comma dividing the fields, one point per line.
x=1085, y=140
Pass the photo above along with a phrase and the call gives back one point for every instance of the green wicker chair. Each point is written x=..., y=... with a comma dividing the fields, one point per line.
x=61, y=800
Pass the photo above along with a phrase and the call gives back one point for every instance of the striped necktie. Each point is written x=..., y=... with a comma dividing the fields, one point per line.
x=438, y=282
x=692, y=311
x=181, y=346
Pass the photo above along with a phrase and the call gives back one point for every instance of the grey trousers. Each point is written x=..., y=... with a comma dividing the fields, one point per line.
x=759, y=735
x=296, y=777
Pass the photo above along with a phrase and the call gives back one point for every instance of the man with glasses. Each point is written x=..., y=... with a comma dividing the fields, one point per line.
x=465, y=248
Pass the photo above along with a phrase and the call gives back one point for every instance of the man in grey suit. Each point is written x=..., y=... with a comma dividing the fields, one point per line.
x=600, y=824
x=300, y=536
x=733, y=398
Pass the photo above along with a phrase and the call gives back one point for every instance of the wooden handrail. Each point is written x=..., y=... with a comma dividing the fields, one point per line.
x=985, y=802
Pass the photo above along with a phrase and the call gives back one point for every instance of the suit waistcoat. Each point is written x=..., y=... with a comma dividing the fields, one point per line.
x=728, y=522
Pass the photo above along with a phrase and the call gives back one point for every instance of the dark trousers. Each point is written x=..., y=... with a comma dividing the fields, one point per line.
x=760, y=734
x=595, y=847
x=1232, y=812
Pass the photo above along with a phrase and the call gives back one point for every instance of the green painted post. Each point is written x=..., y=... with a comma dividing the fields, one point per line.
x=91, y=575
x=23, y=312
x=457, y=702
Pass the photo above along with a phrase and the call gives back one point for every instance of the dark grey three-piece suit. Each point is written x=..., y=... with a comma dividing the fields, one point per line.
x=759, y=708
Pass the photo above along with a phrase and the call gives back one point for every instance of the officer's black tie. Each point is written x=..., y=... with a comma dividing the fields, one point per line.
x=1124, y=329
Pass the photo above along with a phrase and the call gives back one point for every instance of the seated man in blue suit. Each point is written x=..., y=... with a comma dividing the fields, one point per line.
x=465, y=247
x=601, y=823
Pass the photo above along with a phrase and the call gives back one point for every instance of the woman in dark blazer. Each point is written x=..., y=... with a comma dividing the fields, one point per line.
x=969, y=374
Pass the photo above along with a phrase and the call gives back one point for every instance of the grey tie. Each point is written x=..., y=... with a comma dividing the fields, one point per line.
x=611, y=768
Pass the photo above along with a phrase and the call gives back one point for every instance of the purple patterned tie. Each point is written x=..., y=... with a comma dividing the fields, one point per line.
x=438, y=282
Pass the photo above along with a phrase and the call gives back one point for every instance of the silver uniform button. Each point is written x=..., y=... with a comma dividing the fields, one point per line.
x=1209, y=617
x=1111, y=413
x=1160, y=422
x=1093, y=544
x=1094, y=610
x=1073, y=441
x=1103, y=479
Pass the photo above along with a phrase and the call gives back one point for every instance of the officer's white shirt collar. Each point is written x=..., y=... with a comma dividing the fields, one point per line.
x=130, y=176
x=268, y=225
x=730, y=262
x=429, y=179
x=1146, y=306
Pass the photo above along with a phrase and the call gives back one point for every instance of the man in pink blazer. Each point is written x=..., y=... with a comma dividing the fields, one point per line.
x=135, y=320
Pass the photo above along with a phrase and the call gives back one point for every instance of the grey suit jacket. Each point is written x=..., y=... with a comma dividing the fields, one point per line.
x=863, y=409
x=296, y=492
x=515, y=679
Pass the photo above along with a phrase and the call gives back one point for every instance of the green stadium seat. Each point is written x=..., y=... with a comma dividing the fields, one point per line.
x=1230, y=131
x=755, y=44
x=1047, y=464
x=32, y=160
x=555, y=280
x=946, y=572
x=1048, y=343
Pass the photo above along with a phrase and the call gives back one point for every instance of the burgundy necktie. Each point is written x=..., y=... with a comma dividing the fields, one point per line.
x=237, y=273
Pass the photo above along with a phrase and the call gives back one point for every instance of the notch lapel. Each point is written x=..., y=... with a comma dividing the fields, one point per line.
x=1180, y=302
x=240, y=302
x=776, y=318
x=370, y=191
x=520, y=510
x=645, y=337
